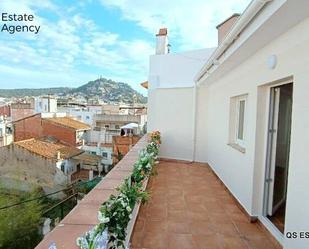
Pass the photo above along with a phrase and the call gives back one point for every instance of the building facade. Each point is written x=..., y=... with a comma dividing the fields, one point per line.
x=45, y=163
x=6, y=136
x=63, y=128
x=244, y=113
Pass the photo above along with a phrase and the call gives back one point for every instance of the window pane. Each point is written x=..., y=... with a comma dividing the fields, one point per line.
x=241, y=116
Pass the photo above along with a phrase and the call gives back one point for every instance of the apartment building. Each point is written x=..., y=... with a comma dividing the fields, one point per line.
x=114, y=122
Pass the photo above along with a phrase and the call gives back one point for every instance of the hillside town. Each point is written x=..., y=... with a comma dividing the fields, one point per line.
x=47, y=145
x=86, y=134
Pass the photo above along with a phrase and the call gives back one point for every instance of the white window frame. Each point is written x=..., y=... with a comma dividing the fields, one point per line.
x=240, y=142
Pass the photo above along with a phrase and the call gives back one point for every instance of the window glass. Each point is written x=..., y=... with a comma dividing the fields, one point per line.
x=241, y=118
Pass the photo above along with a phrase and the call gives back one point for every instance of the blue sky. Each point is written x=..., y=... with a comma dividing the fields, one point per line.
x=80, y=40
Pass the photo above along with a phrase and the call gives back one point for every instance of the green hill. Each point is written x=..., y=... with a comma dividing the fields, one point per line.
x=103, y=89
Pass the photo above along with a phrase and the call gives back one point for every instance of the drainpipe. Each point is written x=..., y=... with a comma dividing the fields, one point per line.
x=195, y=89
x=247, y=16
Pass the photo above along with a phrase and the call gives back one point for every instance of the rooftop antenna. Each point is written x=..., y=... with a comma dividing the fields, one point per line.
x=169, y=48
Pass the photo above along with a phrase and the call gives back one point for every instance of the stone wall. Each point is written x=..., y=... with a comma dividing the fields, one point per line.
x=21, y=169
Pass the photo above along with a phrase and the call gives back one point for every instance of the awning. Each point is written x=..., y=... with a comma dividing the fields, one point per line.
x=129, y=126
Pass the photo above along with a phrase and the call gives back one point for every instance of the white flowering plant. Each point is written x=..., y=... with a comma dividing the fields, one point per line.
x=115, y=214
x=153, y=148
x=94, y=239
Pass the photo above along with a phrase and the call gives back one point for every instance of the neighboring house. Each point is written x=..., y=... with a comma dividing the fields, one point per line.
x=101, y=135
x=103, y=150
x=82, y=113
x=114, y=122
x=28, y=107
x=21, y=110
x=89, y=166
x=5, y=110
x=63, y=128
x=245, y=113
x=44, y=104
x=33, y=162
x=122, y=145
x=46, y=163
x=6, y=136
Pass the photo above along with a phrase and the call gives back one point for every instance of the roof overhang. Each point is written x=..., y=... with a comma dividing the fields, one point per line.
x=270, y=22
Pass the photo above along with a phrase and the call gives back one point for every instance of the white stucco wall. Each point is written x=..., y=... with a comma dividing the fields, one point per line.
x=99, y=151
x=176, y=69
x=170, y=112
x=170, y=100
x=45, y=104
x=243, y=173
x=82, y=115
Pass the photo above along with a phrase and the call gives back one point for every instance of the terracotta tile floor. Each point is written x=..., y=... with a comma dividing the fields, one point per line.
x=190, y=209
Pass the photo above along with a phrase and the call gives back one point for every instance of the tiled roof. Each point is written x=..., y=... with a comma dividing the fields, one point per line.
x=69, y=122
x=48, y=149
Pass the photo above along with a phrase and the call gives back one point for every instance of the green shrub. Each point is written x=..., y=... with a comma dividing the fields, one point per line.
x=19, y=225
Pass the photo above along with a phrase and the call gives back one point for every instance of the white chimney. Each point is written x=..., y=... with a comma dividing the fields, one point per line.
x=162, y=46
x=58, y=155
x=225, y=26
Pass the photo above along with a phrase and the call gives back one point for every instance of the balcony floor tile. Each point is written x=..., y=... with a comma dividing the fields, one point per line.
x=191, y=209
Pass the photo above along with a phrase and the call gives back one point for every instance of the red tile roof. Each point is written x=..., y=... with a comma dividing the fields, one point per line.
x=47, y=149
x=69, y=122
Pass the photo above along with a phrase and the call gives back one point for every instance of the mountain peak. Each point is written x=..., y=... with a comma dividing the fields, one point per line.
x=103, y=89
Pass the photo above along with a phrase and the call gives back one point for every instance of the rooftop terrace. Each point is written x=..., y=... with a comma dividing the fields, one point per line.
x=189, y=208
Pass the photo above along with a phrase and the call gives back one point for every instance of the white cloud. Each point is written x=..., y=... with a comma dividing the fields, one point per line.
x=63, y=48
x=191, y=23
x=73, y=49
